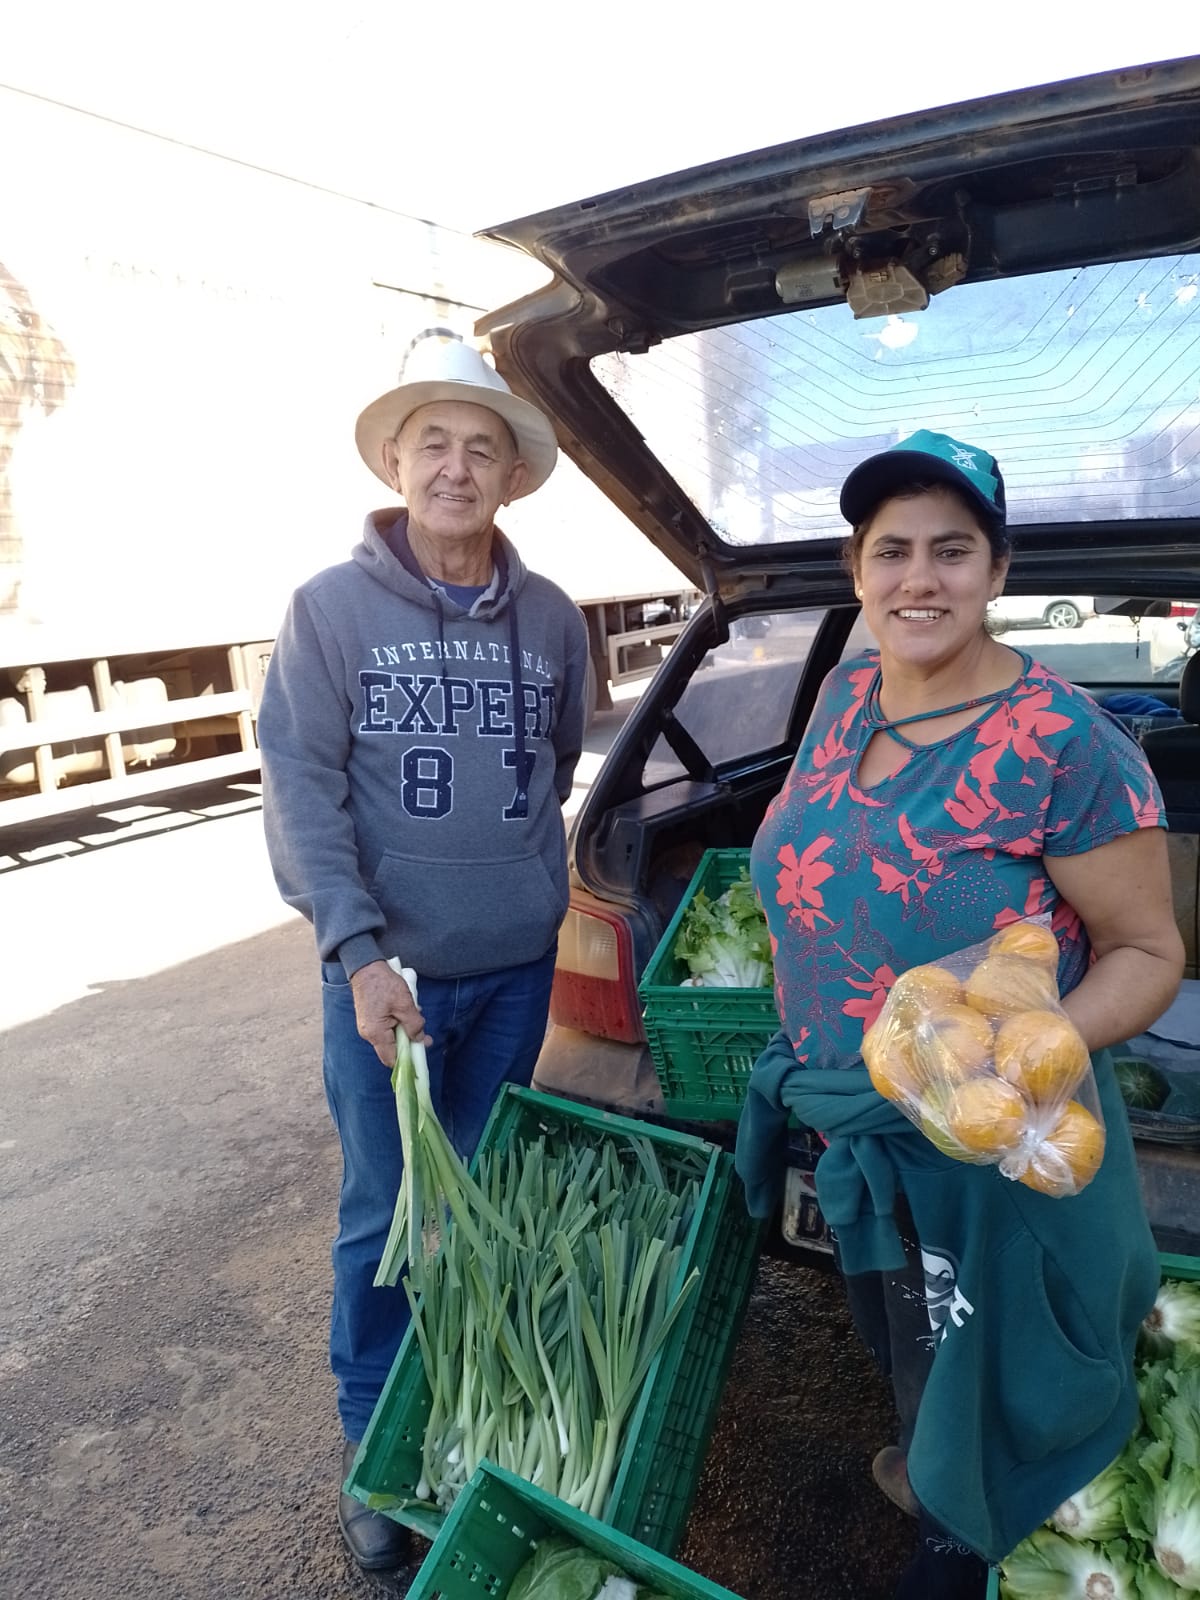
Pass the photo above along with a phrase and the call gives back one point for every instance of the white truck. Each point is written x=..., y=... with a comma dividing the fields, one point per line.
x=185, y=341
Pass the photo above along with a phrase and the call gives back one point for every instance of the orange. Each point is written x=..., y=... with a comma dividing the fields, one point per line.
x=1041, y=1052
x=987, y=1115
x=1068, y=1158
x=920, y=989
x=889, y=1061
x=952, y=1043
x=1000, y=986
x=1029, y=940
x=933, y=1124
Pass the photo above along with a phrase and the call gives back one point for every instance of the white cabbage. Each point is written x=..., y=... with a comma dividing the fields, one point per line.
x=1048, y=1567
x=1173, y=1319
x=1096, y=1511
x=1176, y=1541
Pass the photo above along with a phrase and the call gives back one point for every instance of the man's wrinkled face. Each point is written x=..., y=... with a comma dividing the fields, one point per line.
x=456, y=464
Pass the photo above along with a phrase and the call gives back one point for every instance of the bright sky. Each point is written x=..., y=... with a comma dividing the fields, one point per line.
x=469, y=113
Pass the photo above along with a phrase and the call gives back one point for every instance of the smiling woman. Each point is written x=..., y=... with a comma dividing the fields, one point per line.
x=948, y=786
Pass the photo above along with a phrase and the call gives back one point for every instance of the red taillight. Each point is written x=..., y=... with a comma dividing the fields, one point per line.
x=594, y=985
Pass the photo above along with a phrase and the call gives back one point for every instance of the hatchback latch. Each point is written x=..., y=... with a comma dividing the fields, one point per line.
x=840, y=211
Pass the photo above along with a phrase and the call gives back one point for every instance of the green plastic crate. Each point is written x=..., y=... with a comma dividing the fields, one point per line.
x=668, y=1433
x=495, y=1526
x=1186, y=1268
x=704, y=1042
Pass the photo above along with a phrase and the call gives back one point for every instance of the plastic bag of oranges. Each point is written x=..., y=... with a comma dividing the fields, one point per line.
x=978, y=1053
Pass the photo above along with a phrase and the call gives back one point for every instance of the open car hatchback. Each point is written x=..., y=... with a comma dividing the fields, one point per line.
x=719, y=347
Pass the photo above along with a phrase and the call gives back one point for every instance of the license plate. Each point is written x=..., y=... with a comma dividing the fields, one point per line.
x=802, y=1222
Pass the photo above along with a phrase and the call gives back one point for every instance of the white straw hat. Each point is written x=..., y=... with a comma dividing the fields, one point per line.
x=448, y=369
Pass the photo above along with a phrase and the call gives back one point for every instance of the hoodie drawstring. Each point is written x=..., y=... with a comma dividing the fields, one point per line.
x=520, y=805
x=441, y=616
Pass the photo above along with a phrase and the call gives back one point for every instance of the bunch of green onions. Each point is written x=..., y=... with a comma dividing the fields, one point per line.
x=536, y=1351
x=435, y=1180
x=539, y=1313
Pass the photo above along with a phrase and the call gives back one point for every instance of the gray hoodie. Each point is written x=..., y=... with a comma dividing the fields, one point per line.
x=394, y=818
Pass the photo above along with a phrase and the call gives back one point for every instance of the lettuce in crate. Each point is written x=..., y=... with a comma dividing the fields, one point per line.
x=1133, y=1533
x=724, y=942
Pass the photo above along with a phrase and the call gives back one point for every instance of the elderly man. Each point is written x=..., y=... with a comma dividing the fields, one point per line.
x=420, y=725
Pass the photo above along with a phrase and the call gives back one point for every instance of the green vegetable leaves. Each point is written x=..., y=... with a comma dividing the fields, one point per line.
x=539, y=1320
x=1134, y=1531
x=724, y=942
x=1097, y=1511
x=560, y=1570
x=1163, y=1504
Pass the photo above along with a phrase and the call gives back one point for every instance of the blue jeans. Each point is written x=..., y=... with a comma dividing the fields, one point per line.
x=486, y=1030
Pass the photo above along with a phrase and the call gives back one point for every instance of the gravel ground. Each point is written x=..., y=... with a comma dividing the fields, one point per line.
x=786, y=1508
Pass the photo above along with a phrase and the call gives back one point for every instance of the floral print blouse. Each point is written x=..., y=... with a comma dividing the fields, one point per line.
x=860, y=884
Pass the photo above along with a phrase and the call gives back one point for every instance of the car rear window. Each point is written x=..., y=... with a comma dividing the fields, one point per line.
x=1085, y=384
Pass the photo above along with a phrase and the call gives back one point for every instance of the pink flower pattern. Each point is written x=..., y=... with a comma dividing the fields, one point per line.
x=858, y=885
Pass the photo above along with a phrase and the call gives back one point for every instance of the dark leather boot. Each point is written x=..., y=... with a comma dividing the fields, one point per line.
x=890, y=1471
x=376, y=1542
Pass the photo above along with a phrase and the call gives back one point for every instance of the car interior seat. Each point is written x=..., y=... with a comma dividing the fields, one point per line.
x=1174, y=755
x=1174, y=752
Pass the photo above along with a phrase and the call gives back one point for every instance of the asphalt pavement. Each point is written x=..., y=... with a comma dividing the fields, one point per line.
x=91, y=898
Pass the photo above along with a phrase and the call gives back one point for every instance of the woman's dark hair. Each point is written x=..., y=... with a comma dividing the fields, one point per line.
x=995, y=531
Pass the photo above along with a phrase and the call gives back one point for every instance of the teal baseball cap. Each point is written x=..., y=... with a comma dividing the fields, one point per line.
x=925, y=457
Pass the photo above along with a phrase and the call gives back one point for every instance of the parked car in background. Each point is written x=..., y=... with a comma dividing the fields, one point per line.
x=719, y=348
x=1040, y=611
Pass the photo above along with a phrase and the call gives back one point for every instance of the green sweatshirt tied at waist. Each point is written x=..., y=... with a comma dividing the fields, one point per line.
x=856, y=1179
x=1034, y=1303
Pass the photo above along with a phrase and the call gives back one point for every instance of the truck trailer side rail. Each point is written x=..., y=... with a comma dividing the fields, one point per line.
x=81, y=761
